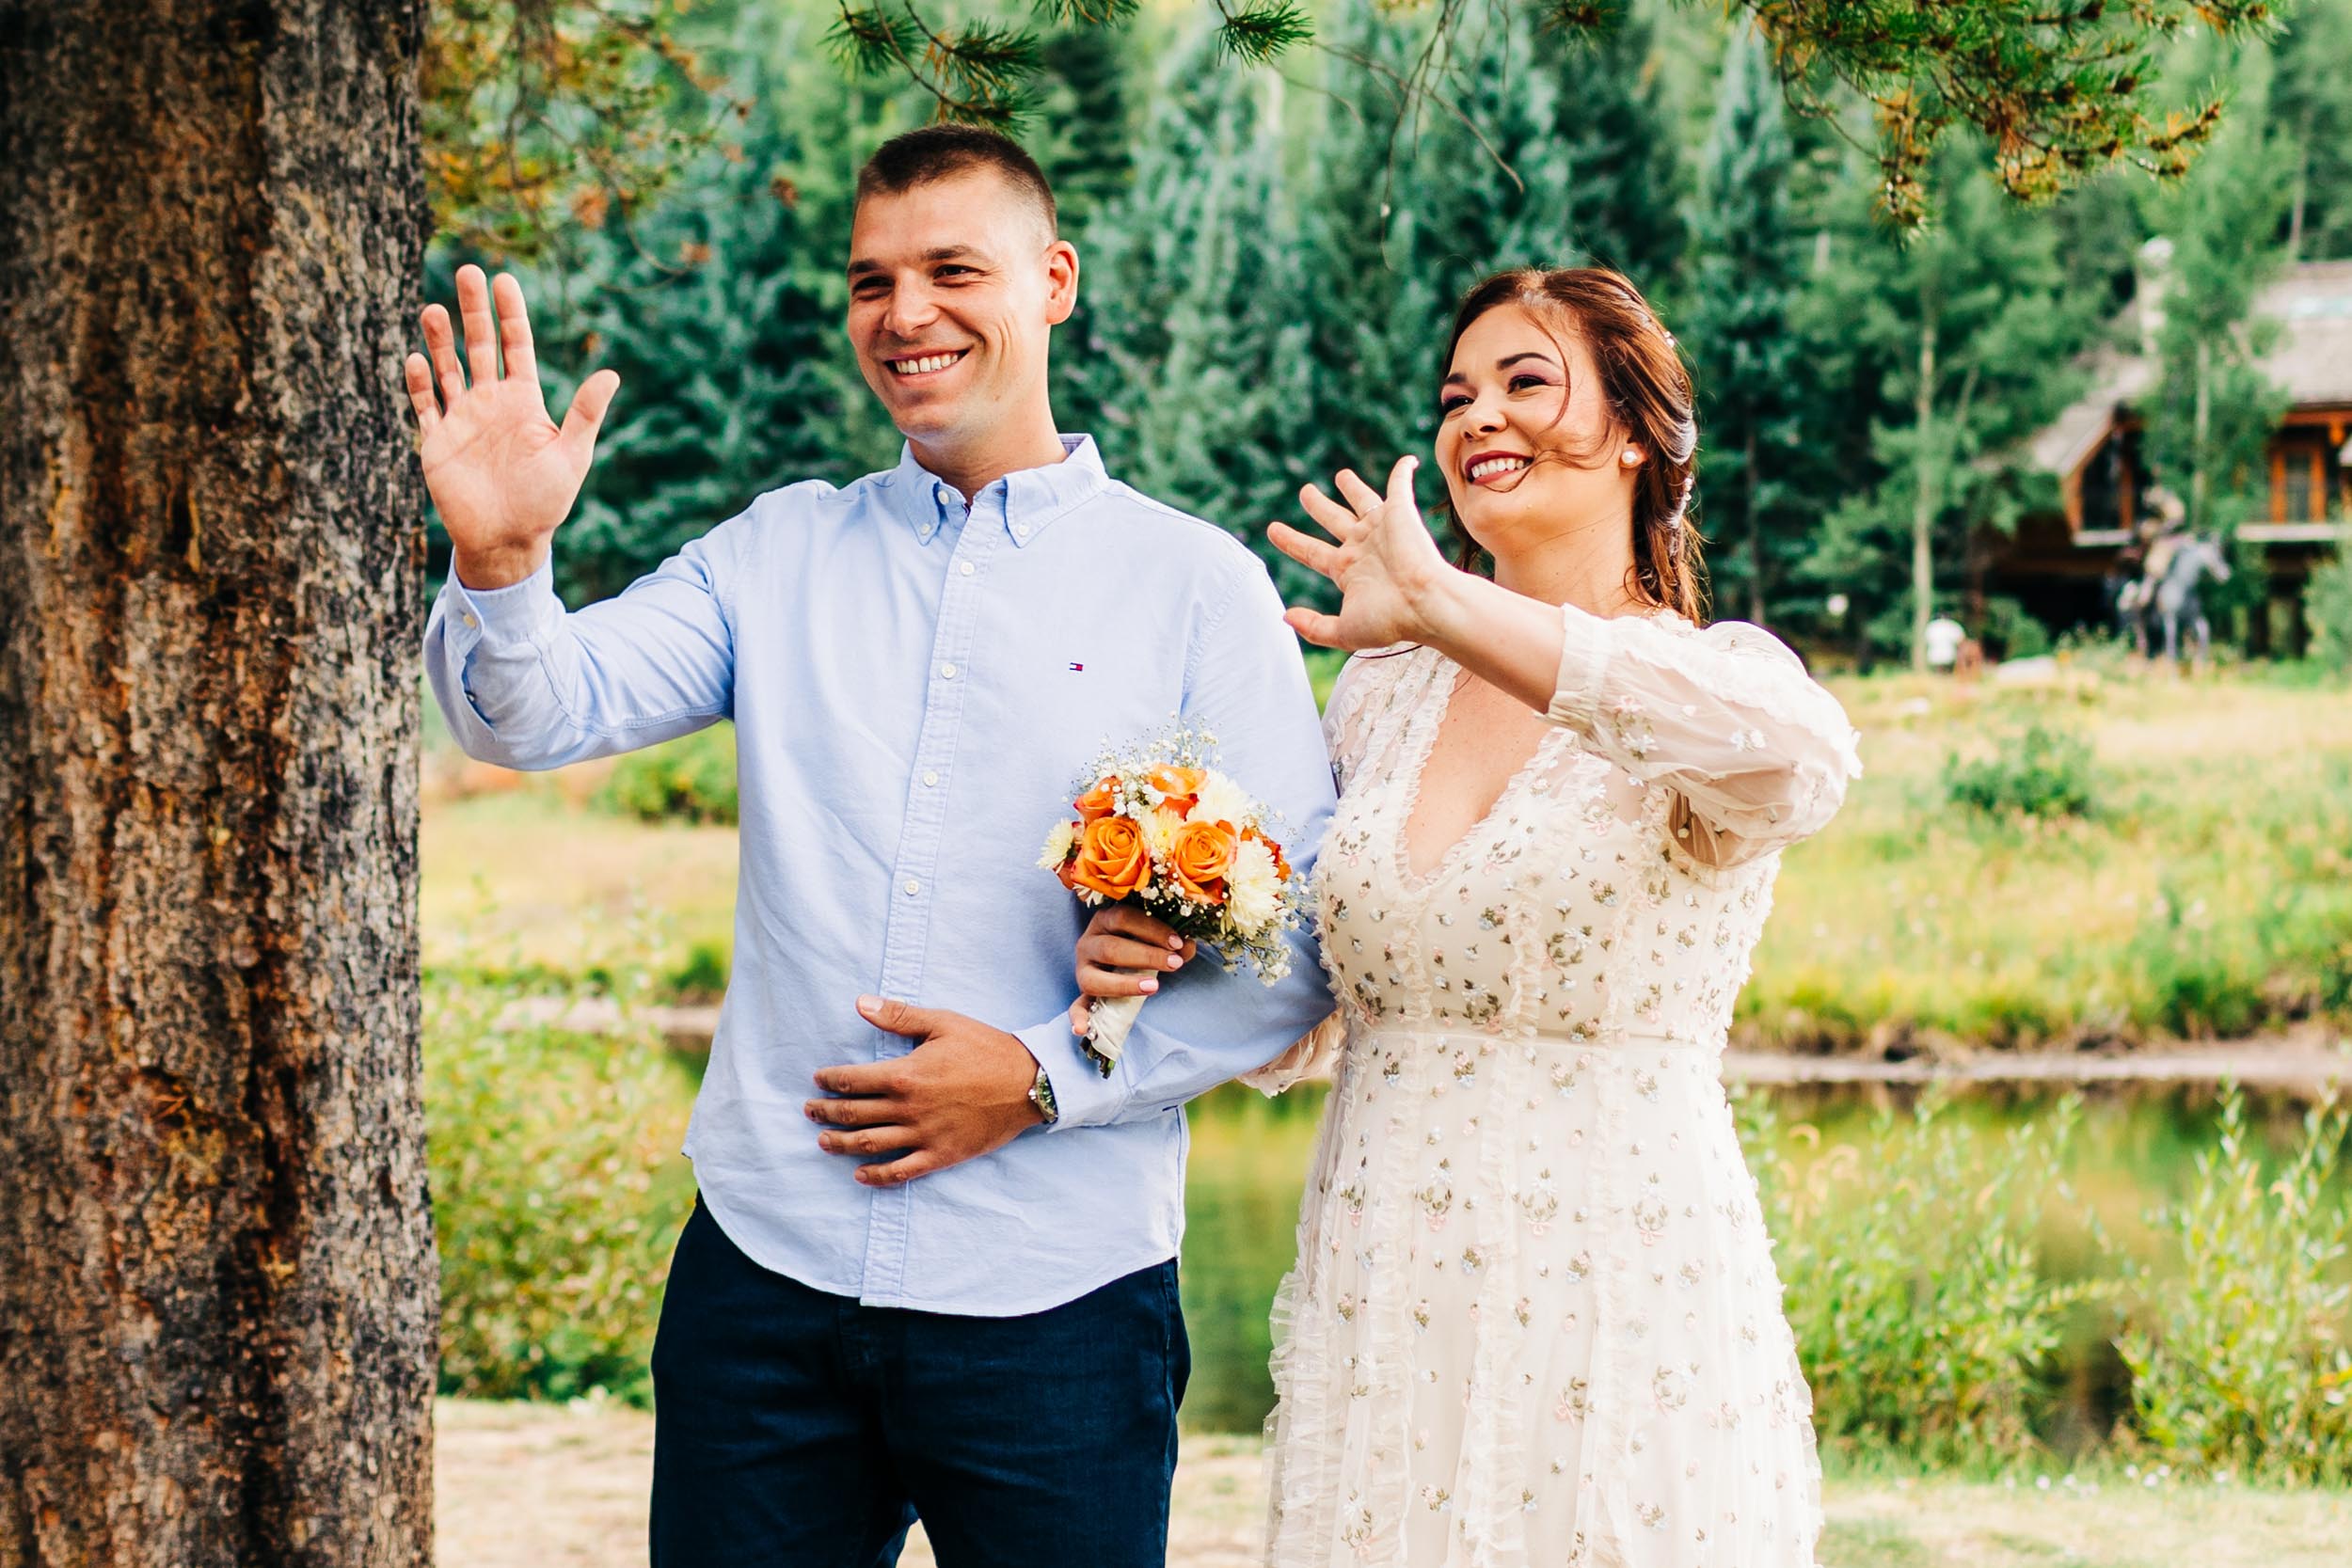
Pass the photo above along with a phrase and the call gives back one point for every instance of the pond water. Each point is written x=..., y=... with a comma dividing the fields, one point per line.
x=2135, y=1146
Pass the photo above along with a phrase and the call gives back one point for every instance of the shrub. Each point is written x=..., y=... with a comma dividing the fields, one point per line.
x=2240, y=1349
x=2038, y=771
x=2327, y=608
x=690, y=779
x=703, y=977
x=556, y=1193
x=1923, y=1315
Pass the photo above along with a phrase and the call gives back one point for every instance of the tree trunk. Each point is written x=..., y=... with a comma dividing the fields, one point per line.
x=2200, y=478
x=218, y=1313
x=1923, y=499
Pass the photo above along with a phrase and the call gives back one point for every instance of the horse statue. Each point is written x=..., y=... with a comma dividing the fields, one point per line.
x=2168, y=595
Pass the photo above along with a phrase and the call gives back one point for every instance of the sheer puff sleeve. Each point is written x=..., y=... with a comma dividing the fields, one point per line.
x=1726, y=717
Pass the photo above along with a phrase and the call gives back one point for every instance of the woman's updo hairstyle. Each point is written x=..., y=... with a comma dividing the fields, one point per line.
x=1647, y=392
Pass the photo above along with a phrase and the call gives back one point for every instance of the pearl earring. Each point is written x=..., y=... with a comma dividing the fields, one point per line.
x=1629, y=456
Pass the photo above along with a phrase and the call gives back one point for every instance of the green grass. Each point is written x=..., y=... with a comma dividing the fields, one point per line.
x=2205, y=891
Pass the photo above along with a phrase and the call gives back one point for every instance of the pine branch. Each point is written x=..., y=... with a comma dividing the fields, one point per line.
x=1256, y=33
x=1087, y=13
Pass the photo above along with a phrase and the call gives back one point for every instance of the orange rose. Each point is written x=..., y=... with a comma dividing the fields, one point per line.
x=1098, y=802
x=1112, y=859
x=1282, y=866
x=1179, y=785
x=1201, y=857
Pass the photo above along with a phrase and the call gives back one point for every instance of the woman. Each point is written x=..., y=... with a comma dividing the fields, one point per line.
x=1533, y=1317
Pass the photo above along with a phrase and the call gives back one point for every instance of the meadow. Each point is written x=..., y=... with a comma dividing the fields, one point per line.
x=2095, y=857
x=1987, y=1284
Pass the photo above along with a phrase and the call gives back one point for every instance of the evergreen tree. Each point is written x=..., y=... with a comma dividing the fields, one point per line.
x=1372, y=318
x=722, y=312
x=2210, y=419
x=1611, y=144
x=2312, y=107
x=1958, y=344
x=1084, y=142
x=1746, y=355
x=1187, y=272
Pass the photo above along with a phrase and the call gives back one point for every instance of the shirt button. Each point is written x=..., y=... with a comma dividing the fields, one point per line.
x=947, y=672
x=472, y=621
x=965, y=568
x=931, y=776
x=1021, y=531
x=913, y=887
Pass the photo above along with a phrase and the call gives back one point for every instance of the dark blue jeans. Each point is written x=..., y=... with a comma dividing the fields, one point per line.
x=794, y=1429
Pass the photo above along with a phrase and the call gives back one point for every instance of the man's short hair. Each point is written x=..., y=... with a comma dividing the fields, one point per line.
x=943, y=152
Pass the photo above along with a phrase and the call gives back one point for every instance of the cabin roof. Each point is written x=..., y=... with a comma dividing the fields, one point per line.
x=2311, y=360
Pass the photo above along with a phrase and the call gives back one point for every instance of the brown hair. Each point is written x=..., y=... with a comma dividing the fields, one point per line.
x=943, y=152
x=1648, y=393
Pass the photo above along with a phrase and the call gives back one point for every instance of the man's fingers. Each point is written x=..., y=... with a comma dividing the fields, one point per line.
x=523, y=360
x=1080, y=1016
x=586, y=415
x=1322, y=630
x=899, y=1018
x=853, y=1112
x=1337, y=520
x=871, y=1080
x=474, y=309
x=1362, y=497
x=897, y=1173
x=1305, y=549
x=440, y=341
x=1100, y=980
x=420, y=398
x=885, y=1139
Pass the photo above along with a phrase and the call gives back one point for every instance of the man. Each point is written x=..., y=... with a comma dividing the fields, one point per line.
x=919, y=667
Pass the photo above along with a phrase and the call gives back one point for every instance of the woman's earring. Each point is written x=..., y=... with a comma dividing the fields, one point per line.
x=1629, y=456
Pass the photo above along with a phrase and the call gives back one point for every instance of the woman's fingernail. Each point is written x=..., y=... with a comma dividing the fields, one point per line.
x=1175, y=961
x=1176, y=944
x=1149, y=984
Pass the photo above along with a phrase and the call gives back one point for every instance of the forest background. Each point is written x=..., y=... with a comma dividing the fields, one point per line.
x=1272, y=253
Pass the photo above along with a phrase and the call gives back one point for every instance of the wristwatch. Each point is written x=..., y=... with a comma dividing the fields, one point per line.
x=1042, y=1096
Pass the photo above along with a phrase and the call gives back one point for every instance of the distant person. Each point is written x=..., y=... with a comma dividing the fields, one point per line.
x=918, y=666
x=1533, y=1317
x=1944, y=638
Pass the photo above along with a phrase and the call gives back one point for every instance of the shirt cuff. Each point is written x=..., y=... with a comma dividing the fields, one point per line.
x=1583, y=654
x=518, y=615
x=1081, y=1096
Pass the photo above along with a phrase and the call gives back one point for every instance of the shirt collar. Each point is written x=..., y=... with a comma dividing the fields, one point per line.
x=1023, y=503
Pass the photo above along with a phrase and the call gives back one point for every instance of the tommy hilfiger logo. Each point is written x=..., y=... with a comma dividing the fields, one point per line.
x=1079, y=667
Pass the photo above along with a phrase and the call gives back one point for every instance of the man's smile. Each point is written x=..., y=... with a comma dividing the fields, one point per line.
x=913, y=367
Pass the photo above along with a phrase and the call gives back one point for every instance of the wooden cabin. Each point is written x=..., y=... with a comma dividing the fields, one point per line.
x=2062, y=566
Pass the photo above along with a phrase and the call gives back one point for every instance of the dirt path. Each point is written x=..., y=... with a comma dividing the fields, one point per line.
x=554, y=1486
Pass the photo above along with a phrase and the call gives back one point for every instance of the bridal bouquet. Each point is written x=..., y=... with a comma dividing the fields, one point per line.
x=1161, y=828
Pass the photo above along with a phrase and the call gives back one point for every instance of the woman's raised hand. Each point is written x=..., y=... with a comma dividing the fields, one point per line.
x=1384, y=561
x=503, y=475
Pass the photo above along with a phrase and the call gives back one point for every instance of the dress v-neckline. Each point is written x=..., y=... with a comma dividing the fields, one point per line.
x=1431, y=715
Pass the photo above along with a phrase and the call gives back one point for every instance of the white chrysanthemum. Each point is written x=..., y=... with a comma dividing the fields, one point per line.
x=1222, y=801
x=1159, y=830
x=1058, y=846
x=1253, y=890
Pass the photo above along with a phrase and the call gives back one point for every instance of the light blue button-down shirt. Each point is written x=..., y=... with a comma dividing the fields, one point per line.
x=915, y=691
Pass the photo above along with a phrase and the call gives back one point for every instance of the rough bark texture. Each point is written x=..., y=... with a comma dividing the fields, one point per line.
x=217, y=1317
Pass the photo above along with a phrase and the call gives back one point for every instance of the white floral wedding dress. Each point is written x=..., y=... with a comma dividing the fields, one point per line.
x=1534, y=1318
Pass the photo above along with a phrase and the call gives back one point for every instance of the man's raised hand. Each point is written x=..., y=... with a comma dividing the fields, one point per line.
x=502, y=473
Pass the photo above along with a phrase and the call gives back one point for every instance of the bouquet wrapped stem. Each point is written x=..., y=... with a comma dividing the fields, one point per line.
x=1161, y=828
